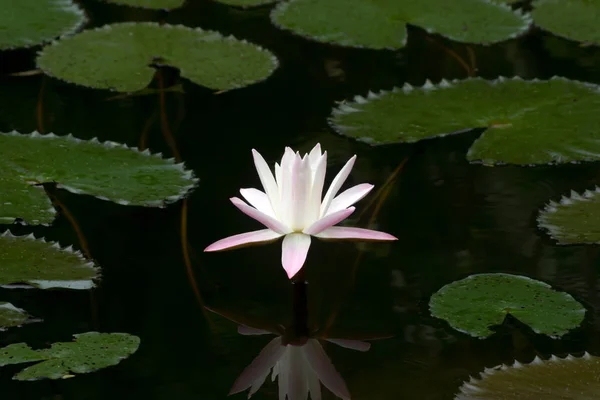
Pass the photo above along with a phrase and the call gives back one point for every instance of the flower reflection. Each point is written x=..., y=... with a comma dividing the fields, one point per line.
x=292, y=206
x=300, y=364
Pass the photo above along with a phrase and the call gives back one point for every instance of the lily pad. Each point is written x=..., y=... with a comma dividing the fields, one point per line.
x=119, y=57
x=572, y=19
x=26, y=23
x=89, y=352
x=381, y=24
x=575, y=378
x=108, y=170
x=41, y=264
x=11, y=316
x=528, y=122
x=473, y=304
x=152, y=4
x=575, y=219
x=246, y=3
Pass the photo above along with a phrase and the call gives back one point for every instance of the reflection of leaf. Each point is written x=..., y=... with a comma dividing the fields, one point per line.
x=529, y=122
x=477, y=302
x=572, y=19
x=575, y=378
x=119, y=56
x=153, y=4
x=89, y=352
x=575, y=219
x=10, y=315
x=107, y=170
x=382, y=24
x=41, y=264
x=25, y=23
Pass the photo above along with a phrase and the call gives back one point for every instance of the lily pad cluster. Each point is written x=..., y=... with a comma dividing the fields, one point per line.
x=572, y=19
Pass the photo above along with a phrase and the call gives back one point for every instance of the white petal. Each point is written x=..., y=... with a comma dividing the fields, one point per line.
x=263, y=235
x=328, y=221
x=318, y=180
x=267, y=180
x=259, y=200
x=294, y=250
x=336, y=184
x=287, y=186
x=260, y=366
x=300, y=192
x=263, y=218
x=349, y=197
x=325, y=370
x=315, y=155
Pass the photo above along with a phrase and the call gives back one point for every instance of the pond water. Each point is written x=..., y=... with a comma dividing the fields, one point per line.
x=452, y=219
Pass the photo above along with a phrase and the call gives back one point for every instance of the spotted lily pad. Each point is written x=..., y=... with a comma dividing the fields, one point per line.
x=575, y=219
x=119, y=57
x=528, y=122
x=473, y=304
x=152, y=4
x=572, y=19
x=89, y=352
x=569, y=378
x=11, y=316
x=44, y=265
x=108, y=170
x=26, y=23
x=382, y=23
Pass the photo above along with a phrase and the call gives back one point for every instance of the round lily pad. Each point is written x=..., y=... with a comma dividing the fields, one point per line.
x=382, y=24
x=575, y=219
x=26, y=23
x=11, y=316
x=89, y=352
x=108, y=170
x=528, y=122
x=473, y=304
x=151, y=4
x=574, y=378
x=43, y=265
x=572, y=19
x=120, y=57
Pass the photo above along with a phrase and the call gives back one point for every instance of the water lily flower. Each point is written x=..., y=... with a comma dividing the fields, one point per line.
x=293, y=206
x=301, y=366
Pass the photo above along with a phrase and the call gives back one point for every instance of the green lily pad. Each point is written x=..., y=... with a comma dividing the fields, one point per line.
x=381, y=24
x=473, y=304
x=575, y=219
x=89, y=352
x=151, y=4
x=26, y=23
x=118, y=57
x=528, y=122
x=43, y=265
x=246, y=3
x=108, y=170
x=11, y=316
x=572, y=19
x=575, y=378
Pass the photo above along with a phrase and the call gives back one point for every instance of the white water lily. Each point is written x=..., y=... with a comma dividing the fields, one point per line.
x=293, y=206
x=300, y=368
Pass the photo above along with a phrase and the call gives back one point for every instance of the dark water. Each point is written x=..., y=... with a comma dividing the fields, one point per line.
x=452, y=219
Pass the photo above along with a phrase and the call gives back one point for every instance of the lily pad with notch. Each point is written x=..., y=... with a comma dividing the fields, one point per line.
x=528, y=122
x=27, y=23
x=120, y=56
x=575, y=219
x=11, y=316
x=89, y=352
x=556, y=378
x=150, y=4
x=29, y=262
x=572, y=19
x=107, y=170
x=382, y=24
x=474, y=304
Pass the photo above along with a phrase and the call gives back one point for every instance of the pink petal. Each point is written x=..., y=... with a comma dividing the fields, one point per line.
x=342, y=232
x=321, y=364
x=351, y=344
x=258, y=200
x=336, y=184
x=326, y=222
x=294, y=250
x=261, y=217
x=267, y=179
x=250, y=331
x=263, y=235
x=260, y=366
x=349, y=197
